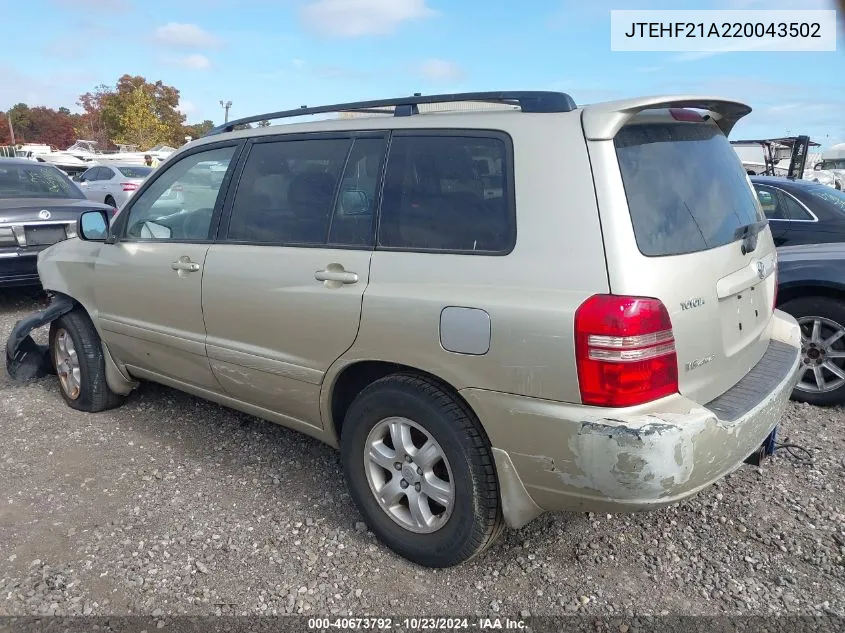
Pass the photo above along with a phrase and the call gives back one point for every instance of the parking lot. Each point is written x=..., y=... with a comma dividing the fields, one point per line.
x=173, y=505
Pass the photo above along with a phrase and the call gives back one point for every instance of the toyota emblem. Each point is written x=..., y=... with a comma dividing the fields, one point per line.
x=44, y=214
x=761, y=270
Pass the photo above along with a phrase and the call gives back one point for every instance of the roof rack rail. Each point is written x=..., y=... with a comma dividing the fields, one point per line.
x=528, y=101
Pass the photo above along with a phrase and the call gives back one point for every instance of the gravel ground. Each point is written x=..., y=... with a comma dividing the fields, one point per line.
x=172, y=505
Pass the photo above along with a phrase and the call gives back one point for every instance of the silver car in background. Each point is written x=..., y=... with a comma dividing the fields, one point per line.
x=112, y=184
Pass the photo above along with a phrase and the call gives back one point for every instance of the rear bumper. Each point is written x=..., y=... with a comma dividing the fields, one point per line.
x=555, y=456
x=19, y=268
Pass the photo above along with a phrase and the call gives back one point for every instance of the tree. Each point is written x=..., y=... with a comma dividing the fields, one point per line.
x=40, y=125
x=198, y=129
x=105, y=111
x=138, y=122
x=264, y=123
x=5, y=137
x=90, y=125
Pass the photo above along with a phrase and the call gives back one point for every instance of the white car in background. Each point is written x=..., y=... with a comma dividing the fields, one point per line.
x=112, y=184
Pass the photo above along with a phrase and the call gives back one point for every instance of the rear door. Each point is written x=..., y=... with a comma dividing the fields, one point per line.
x=683, y=224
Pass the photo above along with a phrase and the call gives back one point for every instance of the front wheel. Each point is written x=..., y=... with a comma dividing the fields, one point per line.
x=421, y=472
x=78, y=359
x=822, y=322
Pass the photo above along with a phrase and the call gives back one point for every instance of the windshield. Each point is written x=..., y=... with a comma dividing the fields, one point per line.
x=135, y=172
x=686, y=187
x=829, y=195
x=36, y=181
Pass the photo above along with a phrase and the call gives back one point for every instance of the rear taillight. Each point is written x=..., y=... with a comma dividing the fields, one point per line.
x=775, y=293
x=129, y=186
x=624, y=350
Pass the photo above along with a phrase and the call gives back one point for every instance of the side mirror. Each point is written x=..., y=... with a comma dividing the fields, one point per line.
x=817, y=167
x=93, y=226
x=354, y=202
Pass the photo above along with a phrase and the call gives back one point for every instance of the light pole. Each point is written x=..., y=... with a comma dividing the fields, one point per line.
x=226, y=105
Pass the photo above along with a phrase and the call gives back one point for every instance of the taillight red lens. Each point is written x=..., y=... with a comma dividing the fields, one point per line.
x=624, y=350
x=129, y=186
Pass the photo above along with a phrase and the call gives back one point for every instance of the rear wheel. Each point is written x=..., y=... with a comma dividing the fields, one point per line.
x=77, y=355
x=822, y=322
x=110, y=201
x=420, y=470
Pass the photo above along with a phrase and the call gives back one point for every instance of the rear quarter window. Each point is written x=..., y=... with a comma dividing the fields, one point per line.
x=687, y=190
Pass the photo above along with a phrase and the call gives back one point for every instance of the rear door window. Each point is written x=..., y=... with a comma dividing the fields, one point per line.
x=686, y=187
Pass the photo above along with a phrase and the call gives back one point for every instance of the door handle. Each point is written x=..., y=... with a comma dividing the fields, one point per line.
x=337, y=275
x=184, y=264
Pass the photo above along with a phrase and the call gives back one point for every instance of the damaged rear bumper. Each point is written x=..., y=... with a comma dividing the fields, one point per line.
x=556, y=456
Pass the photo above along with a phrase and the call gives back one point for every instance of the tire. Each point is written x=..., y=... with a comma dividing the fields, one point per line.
x=110, y=201
x=830, y=314
x=87, y=389
x=474, y=520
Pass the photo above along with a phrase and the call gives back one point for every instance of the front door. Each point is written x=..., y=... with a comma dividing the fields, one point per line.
x=149, y=282
x=282, y=293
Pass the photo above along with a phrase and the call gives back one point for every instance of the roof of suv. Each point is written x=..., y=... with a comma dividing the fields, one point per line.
x=601, y=120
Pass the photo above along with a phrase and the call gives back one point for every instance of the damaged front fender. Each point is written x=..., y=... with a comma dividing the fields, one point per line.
x=26, y=359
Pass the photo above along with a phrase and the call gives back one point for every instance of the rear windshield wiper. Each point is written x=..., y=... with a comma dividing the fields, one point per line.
x=748, y=234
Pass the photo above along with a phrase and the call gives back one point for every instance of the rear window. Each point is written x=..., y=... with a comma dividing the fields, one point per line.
x=832, y=197
x=35, y=181
x=686, y=187
x=135, y=172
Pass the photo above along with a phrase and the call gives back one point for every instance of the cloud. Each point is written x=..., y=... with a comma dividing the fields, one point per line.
x=298, y=63
x=356, y=18
x=440, y=70
x=176, y=35
x=648, y=69
x=195, y=61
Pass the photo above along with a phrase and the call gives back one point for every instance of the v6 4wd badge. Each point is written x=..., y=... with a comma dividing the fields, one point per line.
x=689, y=304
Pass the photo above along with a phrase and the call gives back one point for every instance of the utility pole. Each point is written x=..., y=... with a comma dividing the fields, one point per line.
x=226, y=105
x=11, y=129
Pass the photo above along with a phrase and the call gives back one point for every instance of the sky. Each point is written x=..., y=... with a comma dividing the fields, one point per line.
x=268, y=55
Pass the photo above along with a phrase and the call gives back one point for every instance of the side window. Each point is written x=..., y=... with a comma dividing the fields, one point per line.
x=447, y=193
x=354, y=211
x=287, y=191
x=179, y=204
x=103, y=173
x=792, y=209
x=771, y=203
x=89, y=174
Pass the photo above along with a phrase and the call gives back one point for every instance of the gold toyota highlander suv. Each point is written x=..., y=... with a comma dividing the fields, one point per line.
x=511, y=307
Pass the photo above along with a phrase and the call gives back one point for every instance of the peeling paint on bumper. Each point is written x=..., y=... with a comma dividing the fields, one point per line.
x=571, y=457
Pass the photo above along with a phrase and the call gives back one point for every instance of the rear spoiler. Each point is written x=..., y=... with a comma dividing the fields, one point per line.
x=603, y=120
